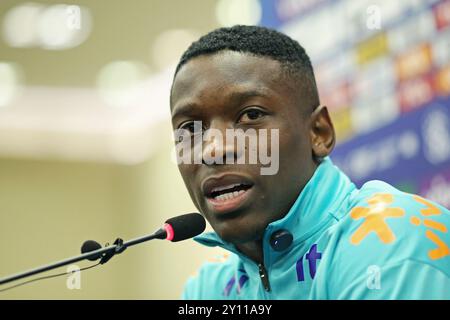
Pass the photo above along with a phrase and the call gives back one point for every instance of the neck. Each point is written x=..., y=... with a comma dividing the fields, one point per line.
x=252, y=250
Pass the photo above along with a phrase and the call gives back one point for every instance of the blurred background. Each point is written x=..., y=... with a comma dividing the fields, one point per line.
x=85, y=135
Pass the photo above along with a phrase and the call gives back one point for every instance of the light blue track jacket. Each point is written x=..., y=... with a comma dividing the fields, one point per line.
x=370, y=243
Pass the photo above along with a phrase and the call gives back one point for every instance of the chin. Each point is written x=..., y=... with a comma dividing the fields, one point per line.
x=239, y=233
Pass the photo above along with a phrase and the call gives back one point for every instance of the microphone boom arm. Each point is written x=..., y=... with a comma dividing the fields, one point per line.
x=105, y=254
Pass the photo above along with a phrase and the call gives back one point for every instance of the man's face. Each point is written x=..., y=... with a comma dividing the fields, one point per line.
x=231, y=90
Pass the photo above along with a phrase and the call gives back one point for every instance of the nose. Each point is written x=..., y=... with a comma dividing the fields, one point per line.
x=216, y=148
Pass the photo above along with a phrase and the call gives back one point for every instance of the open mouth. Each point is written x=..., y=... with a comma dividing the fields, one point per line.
x=228, y=192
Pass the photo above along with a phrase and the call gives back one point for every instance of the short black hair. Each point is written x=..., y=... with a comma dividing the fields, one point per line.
x=258, y=41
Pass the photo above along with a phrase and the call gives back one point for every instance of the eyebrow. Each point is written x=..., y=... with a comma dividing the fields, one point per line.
x=237, y=96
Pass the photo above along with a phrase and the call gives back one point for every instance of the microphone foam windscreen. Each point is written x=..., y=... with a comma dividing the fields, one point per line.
x=186, y=226
x=91, y=245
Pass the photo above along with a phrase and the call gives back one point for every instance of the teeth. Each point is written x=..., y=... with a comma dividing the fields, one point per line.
x=229, y=195
x=225, y=187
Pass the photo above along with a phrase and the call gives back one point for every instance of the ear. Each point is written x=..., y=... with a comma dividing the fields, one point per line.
x=322, y=133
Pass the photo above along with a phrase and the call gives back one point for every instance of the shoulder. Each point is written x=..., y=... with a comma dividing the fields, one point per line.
x=212, y=278
x=385, y=227
x=383, y=219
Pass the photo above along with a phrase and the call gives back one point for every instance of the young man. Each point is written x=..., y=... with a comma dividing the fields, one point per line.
x=304, y=231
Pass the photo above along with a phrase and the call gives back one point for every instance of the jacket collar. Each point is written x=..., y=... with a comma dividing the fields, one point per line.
x=314, y=208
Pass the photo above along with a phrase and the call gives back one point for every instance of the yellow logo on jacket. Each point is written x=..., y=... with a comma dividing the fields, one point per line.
x=375, y=216
x=379, y=210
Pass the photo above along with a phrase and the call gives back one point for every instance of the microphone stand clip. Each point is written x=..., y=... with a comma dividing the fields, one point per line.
x=120, y=247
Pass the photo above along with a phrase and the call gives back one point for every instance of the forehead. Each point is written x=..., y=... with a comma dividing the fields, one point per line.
x=221, y=74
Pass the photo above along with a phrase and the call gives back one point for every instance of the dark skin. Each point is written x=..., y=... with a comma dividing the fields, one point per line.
x=238, y=90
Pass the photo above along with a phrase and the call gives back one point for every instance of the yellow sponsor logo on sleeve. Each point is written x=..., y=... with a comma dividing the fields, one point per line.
x=441, y=250
x=374, y=218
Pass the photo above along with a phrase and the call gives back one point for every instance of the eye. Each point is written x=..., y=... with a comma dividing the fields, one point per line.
x=193, y=127
x=189, y=126
x=251, y=115
x=187, y=130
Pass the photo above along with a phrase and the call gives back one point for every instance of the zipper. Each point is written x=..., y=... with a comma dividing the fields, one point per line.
x=264, y=277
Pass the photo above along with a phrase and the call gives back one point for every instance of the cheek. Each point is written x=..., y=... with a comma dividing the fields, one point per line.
x=294, y=136
x=295, y=159
x=188, y=174
x=294, y=145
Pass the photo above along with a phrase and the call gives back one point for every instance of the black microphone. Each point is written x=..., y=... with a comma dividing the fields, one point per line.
x=175, y=229
x=183, y=227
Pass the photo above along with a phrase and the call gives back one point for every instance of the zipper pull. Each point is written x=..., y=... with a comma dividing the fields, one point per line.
x=264, y=277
